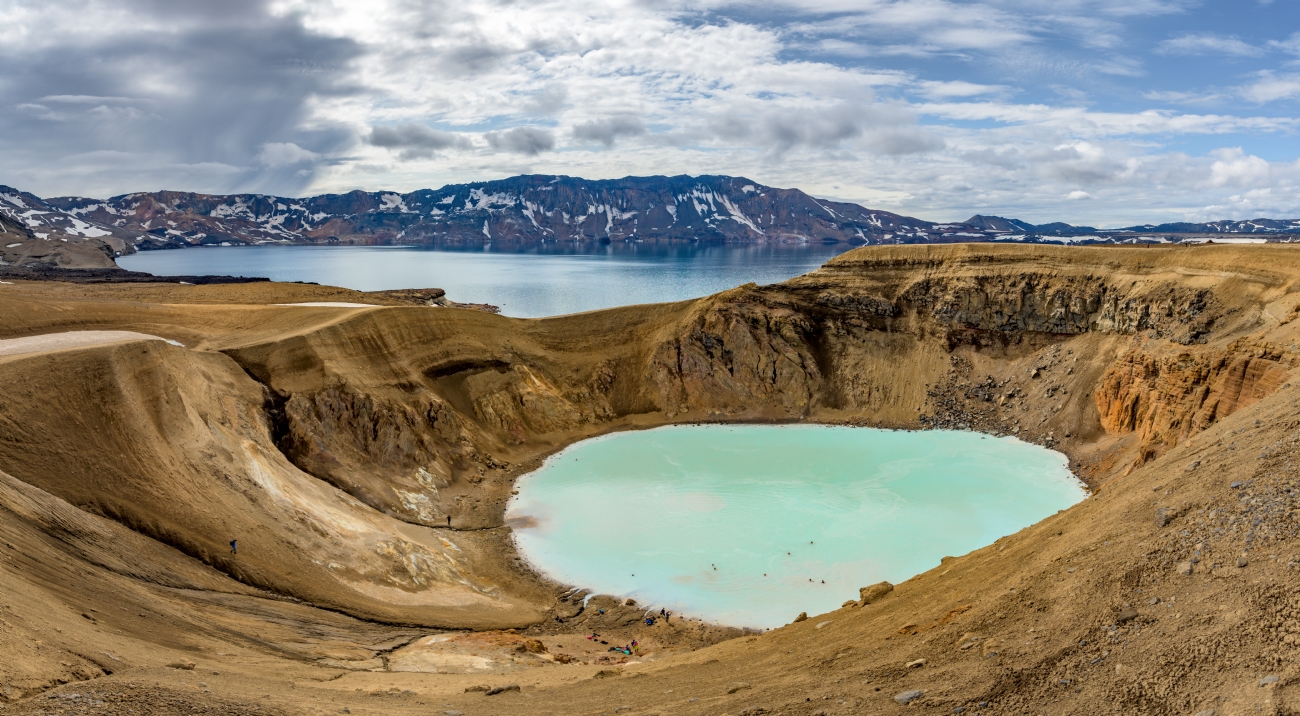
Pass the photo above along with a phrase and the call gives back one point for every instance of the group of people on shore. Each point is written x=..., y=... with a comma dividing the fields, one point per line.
x=634, y=646
x=629, y=650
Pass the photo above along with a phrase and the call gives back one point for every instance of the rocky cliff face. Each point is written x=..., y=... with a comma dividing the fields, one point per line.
x=972, y=339
x=1166, y=397
x=416, y=414
x=740, y=354
x=825, y=341
x=393, y=457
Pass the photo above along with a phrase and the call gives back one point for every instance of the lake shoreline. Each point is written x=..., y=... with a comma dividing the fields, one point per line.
x=537, y=283
x=817, y=470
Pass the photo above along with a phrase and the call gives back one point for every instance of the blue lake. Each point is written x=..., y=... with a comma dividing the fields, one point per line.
x=545, y=281
x=749, y=525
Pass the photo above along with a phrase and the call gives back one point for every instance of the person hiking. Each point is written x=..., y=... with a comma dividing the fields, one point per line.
x=449, y=520
x=234, y=546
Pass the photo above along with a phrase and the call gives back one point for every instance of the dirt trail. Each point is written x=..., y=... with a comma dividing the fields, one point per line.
x=335, y=445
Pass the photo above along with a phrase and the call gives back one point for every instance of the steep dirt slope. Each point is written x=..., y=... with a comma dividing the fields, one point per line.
x=174, y=444
x=335, y=443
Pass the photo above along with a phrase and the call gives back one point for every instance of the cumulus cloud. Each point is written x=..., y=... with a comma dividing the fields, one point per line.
x=280, y=154
x=529, y=141
x=608, y=129
x=1233, y=167
x=877, y=129
x=415, y=141
x=956, y=88
x=1270, y=87
x=173, y=90
x=1182, y=97
x=1290, y=45
x=1209, y=44
x=935, y=108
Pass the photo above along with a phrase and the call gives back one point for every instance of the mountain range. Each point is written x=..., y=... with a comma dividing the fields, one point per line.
x=535, y=209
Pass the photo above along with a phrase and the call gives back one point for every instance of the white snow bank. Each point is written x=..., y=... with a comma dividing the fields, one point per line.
x=72, y=339
x=331, y=304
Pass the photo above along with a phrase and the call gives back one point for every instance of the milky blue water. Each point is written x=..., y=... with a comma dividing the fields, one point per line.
x=750, y=525
x=545, y=281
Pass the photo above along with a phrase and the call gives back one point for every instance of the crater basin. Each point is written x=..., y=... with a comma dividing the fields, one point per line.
x=748, y=525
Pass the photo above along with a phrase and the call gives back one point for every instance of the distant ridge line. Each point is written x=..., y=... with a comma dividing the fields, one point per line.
x=539, y=209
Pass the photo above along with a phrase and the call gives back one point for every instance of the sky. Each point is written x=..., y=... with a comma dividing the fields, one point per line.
x=1098, y=112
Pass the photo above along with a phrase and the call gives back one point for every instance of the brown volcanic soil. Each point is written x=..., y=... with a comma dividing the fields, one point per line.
x=335, y=443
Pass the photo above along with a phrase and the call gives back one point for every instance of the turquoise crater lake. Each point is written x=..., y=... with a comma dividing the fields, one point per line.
x=748, y=525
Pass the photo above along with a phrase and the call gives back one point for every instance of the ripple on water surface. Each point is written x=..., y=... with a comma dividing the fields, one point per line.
x=749, y=525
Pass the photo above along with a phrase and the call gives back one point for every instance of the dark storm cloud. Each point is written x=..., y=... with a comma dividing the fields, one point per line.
x=522, y=140
x=608, y=129
x=195, y=104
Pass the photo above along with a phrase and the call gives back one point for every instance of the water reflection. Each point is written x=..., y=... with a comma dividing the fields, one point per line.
x=532, y=281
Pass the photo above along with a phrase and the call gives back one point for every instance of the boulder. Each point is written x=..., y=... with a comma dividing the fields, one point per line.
x=874, y=593
x=1163, y=516
x=908, y=697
